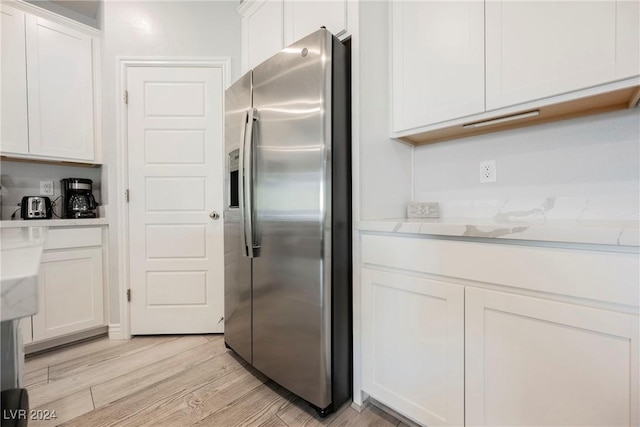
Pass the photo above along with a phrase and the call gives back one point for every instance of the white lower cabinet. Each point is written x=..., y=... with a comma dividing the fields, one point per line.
x=413, y=346
x=70, y=293
x=536, y=362
x=70, y=288
x=472, y=349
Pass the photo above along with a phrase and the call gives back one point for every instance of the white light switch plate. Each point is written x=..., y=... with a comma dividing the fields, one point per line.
x=423, y=210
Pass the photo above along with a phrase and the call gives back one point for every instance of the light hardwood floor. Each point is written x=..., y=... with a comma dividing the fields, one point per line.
x=168, y=381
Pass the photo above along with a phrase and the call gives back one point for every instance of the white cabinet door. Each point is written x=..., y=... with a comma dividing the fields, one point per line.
x=438, y=61
x=537, y=49
x=262, y=32
x=531, y=362
x=305, y=17
x=14, y=82
x=60, y=90
x=413, y=346
x=70, y=293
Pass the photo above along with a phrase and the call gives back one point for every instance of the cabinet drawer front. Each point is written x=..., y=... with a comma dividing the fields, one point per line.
x=61, y=238
x=601, y=276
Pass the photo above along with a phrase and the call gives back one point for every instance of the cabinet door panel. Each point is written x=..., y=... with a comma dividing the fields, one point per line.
x=438, y=61
x=60, y=90
x=308, y=16
x=413, y=350
x=14, y=82
x=263, y=33
x=536, y=362
x=70, y=293
x=544, y=48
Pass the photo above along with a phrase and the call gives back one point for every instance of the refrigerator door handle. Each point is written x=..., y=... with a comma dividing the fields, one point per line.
x=241, y=187
x=246, y=159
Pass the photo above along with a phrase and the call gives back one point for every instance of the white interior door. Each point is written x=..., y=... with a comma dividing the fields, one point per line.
x=175, y=142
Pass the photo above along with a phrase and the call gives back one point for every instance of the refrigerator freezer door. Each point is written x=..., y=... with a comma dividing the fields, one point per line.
x=291, y=287
x=237, y=267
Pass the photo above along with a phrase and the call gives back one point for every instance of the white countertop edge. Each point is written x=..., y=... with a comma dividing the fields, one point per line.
x=603, y=232
x=54, y=222
x=20, y=260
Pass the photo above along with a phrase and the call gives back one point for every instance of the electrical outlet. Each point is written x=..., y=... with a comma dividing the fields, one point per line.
x=46, y=188
x=488, y=171
x=423, y=210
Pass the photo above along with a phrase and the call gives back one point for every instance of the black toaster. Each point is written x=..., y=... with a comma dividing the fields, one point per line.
x=35, y=207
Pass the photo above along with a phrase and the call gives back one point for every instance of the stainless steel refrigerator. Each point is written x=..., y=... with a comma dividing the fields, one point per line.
x=287, y=220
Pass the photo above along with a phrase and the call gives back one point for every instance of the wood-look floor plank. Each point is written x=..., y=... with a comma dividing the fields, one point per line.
x=88, y=361
x=301, y=414
x=67, y=408
x=70, y=353
x=252, y=409
x=176, y=382
x=123, y=385
x=371, y=417
x=157, y=402
x=33, y=377
x=89, y=375
x=207, y=400
x=274, y=421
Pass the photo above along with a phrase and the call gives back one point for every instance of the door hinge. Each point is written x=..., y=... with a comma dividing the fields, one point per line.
x=125, y=97
x=129, y=295
x=126, y=195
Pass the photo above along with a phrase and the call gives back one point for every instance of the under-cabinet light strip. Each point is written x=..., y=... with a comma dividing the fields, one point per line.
x=502, y=119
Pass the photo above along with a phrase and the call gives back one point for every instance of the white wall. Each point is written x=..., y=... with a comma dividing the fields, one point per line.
x=590, y=159
x=385, y=165
x=147, y=29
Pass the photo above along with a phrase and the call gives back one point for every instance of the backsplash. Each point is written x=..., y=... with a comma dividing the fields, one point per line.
x=20, y=179
x=586, y=168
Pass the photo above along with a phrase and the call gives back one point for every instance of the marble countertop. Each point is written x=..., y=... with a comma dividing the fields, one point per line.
x=20, y=252
x=54, y=222
x=603, y=232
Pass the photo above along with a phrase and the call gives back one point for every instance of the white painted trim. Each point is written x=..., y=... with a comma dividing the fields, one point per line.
x=115, y=333
x=96, y=68
x=354, y=29
x=123, y=63
x=63, y=20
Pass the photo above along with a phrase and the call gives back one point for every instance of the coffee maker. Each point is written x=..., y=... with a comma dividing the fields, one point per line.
x=77, y=199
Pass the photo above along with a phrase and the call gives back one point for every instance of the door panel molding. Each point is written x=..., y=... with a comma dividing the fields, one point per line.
x=119, y=208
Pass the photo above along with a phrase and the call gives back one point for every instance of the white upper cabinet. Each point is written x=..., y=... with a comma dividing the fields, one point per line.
x=466, y=68
x=50, y=71
x=14, y=85
x=544, y=48
x=60, y=88
x=438, y=61
x=305, y=17
x=262, y=31
x=270, y=25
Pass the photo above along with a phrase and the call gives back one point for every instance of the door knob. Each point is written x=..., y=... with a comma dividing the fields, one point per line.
x=214, y=215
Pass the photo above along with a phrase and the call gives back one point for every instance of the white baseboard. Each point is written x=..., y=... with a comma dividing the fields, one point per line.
x=115, y=333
